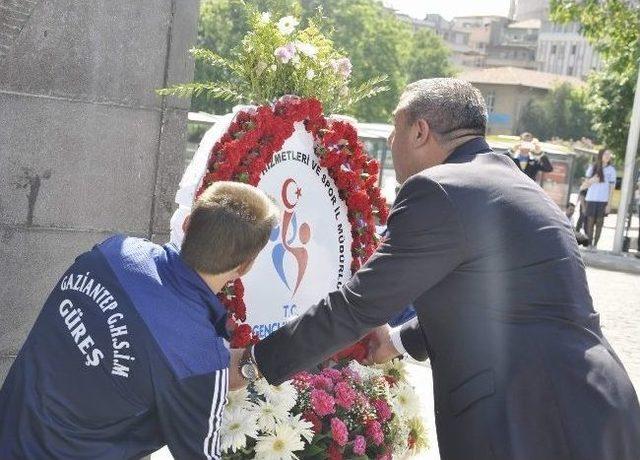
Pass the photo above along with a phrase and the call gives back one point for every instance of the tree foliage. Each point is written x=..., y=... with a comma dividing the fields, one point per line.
x=561, y=113
x=375, y=40
x=613, y=27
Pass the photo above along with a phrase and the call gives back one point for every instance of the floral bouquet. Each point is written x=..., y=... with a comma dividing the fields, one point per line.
x=276, y=58
x=353, y=412
x=294, y=74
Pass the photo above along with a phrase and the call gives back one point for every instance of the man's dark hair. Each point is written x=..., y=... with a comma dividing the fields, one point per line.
x=450, y=106
x=229, y=225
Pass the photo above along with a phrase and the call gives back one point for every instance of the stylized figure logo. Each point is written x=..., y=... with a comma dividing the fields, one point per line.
x=288, y=233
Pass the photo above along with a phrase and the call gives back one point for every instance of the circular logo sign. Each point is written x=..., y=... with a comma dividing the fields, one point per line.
x=309, y=253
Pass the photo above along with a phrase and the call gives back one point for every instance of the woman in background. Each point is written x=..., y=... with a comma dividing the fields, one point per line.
x=601, y=179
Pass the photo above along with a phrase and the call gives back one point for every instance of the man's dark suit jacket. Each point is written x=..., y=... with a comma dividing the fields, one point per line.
x=521, y=369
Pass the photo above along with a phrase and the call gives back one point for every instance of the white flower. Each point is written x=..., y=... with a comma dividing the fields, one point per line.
x=296, y=61
x=287, y=25
x=310, y=74
x=405, y=401
x=269, y=415
x=365, y=372
x=284, y=395
x=279, y=446
x=396, y=368
x=400, y=432
x=265, y=17
x=274, y=67
x=302, y=427
x=238, y=400
x=307, y=49
x=260, y=67
x=236, y=426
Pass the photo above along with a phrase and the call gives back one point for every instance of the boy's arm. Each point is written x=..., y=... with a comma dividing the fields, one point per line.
x=190, y=412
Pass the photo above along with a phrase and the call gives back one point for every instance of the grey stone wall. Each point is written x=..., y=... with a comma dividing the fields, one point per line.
x=86, y=147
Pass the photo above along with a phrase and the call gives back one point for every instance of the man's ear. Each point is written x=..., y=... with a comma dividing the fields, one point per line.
x=185, y=223
x=422, y=132
x=244, y=268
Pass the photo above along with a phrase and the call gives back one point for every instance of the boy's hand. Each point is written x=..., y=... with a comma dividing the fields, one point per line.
x=236, y=381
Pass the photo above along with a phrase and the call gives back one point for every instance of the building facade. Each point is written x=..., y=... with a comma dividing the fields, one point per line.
x=564, y=51
x=507, y=90
x=523, y=10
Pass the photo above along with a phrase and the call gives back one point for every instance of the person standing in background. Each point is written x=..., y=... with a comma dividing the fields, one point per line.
x=528, y=164
x=601, y=179
x=582, y=209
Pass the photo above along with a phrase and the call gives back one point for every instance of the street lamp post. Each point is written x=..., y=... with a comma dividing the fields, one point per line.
x=629, y=162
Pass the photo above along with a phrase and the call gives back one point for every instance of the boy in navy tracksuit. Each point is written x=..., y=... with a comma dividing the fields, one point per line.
x=127, y=354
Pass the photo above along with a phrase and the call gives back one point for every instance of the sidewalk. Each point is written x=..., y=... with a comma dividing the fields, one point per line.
x=604, y=259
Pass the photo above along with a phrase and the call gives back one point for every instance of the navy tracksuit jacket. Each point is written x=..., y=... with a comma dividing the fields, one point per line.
x=126, y=356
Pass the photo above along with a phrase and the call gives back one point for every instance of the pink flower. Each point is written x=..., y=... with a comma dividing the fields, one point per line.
x=341, y=66
x=383, y=410
x=385, y=456
x=285, y=53
x=322, y=403
x=339, y=431
x=345, y=395
x=374, y=432
x=359, y=445
x=333, y=374
x=322, y=382
x=351, y=374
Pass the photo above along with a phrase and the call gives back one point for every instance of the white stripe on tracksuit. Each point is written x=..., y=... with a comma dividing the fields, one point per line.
x=218, y=401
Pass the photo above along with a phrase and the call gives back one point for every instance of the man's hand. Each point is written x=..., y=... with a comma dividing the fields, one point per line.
x=607, y=209
x=381, y=348
x=236, y=381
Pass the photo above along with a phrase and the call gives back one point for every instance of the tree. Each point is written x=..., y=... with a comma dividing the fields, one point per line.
x=429, y=57
x=376, y=41
x=561, y=113
x=613, y=27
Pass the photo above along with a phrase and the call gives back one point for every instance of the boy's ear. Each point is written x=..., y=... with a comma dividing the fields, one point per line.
x=244, y=268
x=185, y=223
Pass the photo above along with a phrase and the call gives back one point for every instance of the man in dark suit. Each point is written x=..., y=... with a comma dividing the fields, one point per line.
x=521, y=369
x=529, y=165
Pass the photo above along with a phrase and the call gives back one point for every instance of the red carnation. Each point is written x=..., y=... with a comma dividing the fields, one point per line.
x=242, y=336
x=316, y=421
x=358, y=201
x=373, y=167
x=355, y=265
x=335, y=452
x=238, y=288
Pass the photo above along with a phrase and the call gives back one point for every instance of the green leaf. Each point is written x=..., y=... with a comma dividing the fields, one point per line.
x=224, y=91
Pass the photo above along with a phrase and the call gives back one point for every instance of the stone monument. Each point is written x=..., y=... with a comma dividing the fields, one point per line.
x=87, y=149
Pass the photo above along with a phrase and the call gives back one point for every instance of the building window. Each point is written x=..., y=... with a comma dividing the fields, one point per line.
x=490, y=100
x=553, y=49
x=573, y=49
x=570, y=70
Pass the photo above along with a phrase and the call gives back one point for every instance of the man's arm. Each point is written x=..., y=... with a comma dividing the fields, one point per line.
x=414, y=341
x=425, y=242
x=387, y=343
x=190, y=412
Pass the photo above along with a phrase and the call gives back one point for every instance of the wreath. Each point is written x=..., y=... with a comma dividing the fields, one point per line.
x=246, y=149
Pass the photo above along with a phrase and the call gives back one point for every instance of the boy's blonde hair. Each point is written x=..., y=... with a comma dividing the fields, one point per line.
x=229, y=225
